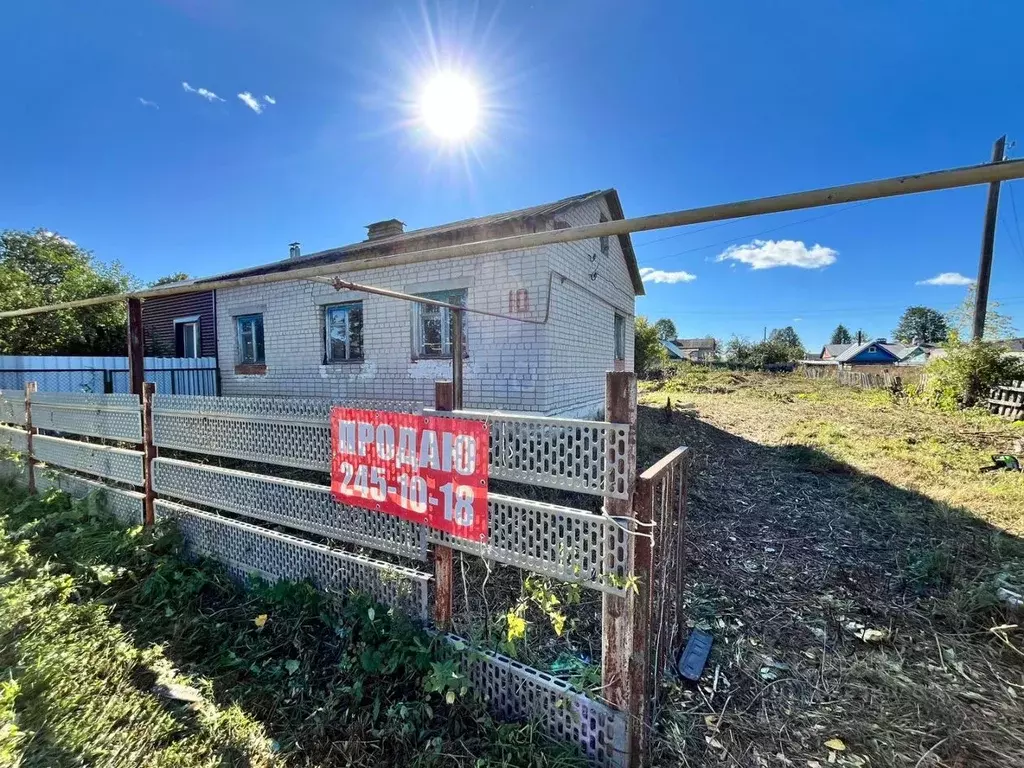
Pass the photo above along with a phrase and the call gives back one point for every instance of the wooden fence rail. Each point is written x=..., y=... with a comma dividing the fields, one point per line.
x=888, y=378
x=1008, y=400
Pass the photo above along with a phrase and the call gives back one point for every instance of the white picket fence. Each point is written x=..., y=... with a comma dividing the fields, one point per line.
x=108, y=375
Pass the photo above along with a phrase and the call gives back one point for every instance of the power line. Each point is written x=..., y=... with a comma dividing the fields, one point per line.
x=758, y=234
x=1019, y=244
x=825, y=311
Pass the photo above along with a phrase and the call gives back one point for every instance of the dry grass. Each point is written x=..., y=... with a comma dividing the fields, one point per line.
x=818, y=513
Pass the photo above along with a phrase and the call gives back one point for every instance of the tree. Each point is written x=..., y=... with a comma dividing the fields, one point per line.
x=175, y=277
x=666, y=329
x=841, y=335
x=997, y=325
x=41, y=267
x=762, y=354
x=921, y=325
x=964, y=376
x=647, y=349
x=788, y=337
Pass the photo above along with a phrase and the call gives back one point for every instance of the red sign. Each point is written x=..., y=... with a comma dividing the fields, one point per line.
x=427, y=469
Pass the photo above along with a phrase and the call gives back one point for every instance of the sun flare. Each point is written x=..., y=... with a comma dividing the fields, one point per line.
x=449, y=106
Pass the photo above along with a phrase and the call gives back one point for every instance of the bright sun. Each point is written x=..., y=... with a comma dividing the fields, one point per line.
x=449, y=106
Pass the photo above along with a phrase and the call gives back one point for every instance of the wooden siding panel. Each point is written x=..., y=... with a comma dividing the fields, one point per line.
x=158, y=316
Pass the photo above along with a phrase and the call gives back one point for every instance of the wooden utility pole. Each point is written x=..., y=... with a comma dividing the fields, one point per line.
x=136, y=351
x=988, y=239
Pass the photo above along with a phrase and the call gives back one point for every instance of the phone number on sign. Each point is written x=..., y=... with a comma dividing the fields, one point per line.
x=410, y=493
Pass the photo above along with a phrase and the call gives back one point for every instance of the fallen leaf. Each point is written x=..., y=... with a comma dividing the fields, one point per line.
x=450, y=697
x=260, y=620
x=837, y=744
x=292, y=666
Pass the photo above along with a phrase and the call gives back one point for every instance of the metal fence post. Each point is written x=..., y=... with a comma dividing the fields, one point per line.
x=640, y=608
x=620, y=408
x=444, y=400
x=148, y=452
x=30, y=463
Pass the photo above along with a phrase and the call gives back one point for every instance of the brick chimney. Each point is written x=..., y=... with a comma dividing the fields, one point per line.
x=293, y=250
x=381, y=229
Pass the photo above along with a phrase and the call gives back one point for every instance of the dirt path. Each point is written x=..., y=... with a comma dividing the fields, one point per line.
x=852, y=617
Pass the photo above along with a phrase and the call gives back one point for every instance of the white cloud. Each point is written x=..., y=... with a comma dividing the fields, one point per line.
x=148, y=103
x=766, y=254
x=48, y=235
x=947, y=278
x=797, y=319
x=652, y=275
x=269, y=99
x=251, y=102
x=208, y=95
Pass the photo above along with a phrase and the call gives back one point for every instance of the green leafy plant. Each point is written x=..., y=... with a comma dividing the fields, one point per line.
x=964, y=376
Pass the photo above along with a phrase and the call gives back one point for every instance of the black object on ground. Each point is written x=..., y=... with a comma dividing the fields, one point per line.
x=695, y=655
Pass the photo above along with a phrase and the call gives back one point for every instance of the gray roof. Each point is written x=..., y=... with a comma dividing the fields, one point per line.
x=497, y=225
x=1013, y=345
x=695, y=343
x=835, y=350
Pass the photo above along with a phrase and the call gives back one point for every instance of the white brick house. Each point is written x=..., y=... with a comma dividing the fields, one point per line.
x=303, y=338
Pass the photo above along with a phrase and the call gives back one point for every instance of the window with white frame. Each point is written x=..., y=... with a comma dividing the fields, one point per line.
x=620, y=337
x=433, y=327
x=343, y=332
x=249, y=332
x=186, y=337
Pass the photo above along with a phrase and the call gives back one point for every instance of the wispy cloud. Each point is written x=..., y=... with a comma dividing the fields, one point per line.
x=797, y=319
x=148, y=103
x=269, y=99
x=766, y=254
x=208, y=95
x=947, y=278
x=652, y=275
x=251, y=102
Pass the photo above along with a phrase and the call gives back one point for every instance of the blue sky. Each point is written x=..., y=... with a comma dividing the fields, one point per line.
x=675, y=104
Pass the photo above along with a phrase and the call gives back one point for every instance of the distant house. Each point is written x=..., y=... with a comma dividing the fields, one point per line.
x=1014, y=346
x=180, y=326
x=875, y=352
x=694, y=350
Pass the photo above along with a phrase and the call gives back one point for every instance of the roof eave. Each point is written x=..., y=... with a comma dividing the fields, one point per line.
x=625, y=242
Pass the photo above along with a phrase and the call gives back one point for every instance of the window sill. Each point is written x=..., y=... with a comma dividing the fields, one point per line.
x=439, y=358
x=251, y=369
x=342, y=363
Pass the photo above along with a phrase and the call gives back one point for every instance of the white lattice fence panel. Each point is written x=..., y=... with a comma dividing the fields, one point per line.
x=13, y=472
x=305, y=506
x=516, y=692
x=248, y=549
x=111, y=463
x=571, y=454
x=126, y=506
x=560, y=542
x=13, y=439
x=12, y=407
x=294, y=432
x=117, y=417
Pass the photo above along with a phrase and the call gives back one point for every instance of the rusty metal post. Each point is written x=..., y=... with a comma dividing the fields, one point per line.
x=444, y=400
x=30, y=463
x=136, y=347
x=620, y=407
x=640, y=609
x=148, y=452
x=457, y=380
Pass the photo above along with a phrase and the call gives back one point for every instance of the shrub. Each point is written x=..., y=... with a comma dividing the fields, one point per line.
x=964, y=376
x=647, y=350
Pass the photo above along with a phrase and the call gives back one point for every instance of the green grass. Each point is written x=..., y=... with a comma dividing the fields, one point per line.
x=114, y=651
